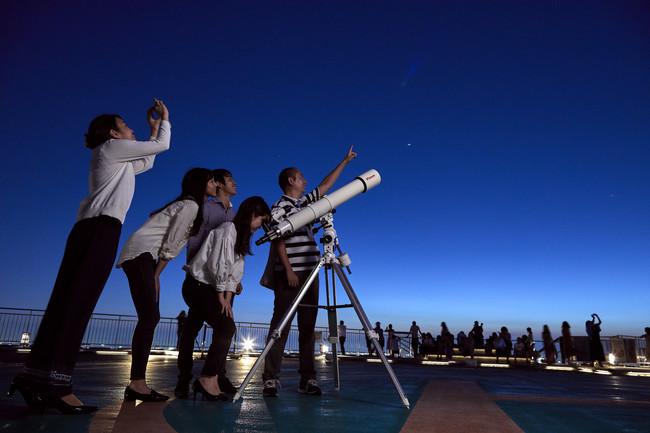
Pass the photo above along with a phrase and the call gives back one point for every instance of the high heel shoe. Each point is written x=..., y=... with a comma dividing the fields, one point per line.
x=33, y=399
x=198, y=387
x=68, y=409
x=153, y=396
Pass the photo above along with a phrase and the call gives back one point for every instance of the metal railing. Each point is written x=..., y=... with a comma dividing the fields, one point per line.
x=18, y=327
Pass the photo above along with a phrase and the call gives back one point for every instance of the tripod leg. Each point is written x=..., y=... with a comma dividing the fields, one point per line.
x=277, y=332
x=368, y=327
x=333, y=328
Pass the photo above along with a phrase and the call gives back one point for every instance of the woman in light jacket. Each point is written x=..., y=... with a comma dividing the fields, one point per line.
x=212, y=278
x=143, y=258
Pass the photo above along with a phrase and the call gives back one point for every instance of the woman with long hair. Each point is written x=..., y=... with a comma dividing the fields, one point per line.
x=46, y=380
x=143, y=258
x=567, y=349
x=550, y=351
x=212, y=278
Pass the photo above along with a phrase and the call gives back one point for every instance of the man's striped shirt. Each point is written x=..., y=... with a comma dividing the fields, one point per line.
x=301, y=246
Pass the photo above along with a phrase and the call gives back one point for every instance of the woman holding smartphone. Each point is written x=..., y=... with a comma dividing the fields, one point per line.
x=46, y=380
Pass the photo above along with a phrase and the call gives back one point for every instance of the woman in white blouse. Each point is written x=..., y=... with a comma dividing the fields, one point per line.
x=46, y=380
x=212, y=278
x=143, y=258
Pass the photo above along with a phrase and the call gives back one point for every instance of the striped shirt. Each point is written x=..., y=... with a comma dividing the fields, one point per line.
x=302, y=250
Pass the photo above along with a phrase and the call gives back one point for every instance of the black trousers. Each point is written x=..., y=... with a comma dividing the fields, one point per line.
x=86, y=265
x=284, y=297
x=140, y=273
x=204, y=301
x=191, y=328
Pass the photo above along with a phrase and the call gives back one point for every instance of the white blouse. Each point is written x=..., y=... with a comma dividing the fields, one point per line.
x=112, y=173
x=164, y=234
x=216, y=262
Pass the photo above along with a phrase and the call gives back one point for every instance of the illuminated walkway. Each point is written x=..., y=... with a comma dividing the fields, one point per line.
x=443, y=399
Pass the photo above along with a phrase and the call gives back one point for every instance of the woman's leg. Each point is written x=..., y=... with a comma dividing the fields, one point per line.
x=140, y=273
x=204, y=299
x=87, y=263
x=191, y=329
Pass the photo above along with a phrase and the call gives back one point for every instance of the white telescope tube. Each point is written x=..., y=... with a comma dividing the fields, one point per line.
x=312, y=212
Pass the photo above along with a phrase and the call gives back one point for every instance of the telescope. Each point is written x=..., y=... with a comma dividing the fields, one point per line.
x=326, y=204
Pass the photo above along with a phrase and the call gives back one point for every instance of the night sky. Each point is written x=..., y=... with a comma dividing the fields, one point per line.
x=511, y=138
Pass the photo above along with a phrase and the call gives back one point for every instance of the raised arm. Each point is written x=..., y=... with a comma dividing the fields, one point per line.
x=329, y=180
x=163, y=114
x=595, y=316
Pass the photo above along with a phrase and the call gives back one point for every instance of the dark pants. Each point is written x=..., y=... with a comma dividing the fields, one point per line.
x=87, y=263
x=140, y=273
x=415, y=342
x=342, y=341
x=204, y=302
x=191, y=329
x=284, y=297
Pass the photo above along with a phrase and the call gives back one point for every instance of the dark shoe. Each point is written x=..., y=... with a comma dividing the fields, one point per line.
x=33, y=399
x=309, y=387
x=226, y=385
x=198, y=387
x=153, y=396
x=271, y=388
x=182, y=389
x=68, y=409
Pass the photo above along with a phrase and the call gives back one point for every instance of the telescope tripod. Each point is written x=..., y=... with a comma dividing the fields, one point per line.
x=329, y=261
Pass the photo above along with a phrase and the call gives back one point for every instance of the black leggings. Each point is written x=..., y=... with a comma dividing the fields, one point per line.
x=140, y=272
x=204, y=303
x=87, y=262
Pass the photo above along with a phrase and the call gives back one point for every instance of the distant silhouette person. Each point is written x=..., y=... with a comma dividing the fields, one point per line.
x=567, y=349
x=468, y=346
x=428, y=345
x=180, y=319
x=460, y=340
x=531, y=339
x=519, y=348
x=477, y=330
x=489, y=344
x=549, y=346
x=529, y=351
x=447, y=342
x=380, y=333
x=394, y=342
x=342, y=330
x=507, y=339
x=415, y=338
x=647, y=344
x=596, y=353
x=389, y=339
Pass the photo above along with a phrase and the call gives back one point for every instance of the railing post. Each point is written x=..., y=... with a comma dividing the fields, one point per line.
x=117, y=331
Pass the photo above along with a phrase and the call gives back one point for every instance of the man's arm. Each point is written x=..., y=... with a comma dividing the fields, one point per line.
x=329, y=180
x=281, y=250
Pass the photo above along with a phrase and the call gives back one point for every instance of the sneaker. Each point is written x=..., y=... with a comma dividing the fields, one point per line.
x=226, y=385
x=270, y=388
x=309, y=387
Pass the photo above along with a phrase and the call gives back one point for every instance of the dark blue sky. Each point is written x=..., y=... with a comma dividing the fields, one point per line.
x=511, y=137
